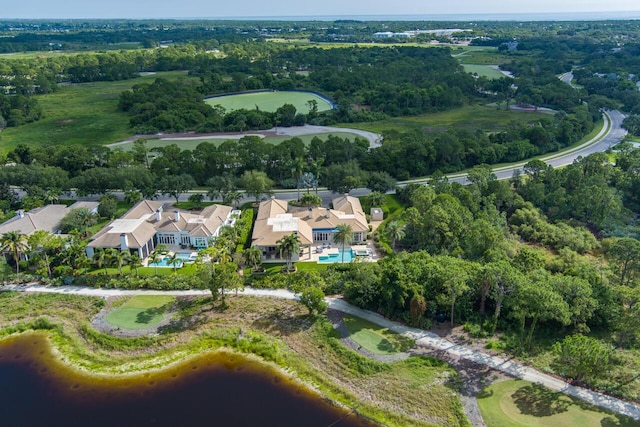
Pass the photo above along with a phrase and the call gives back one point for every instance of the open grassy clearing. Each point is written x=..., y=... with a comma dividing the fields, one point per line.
x=88, y=48
x=79, y=114
x=484, y=56
x=470, y=117
x=487, y=71
x=374, y=338
x=417, y=391
x=521, y=403
x=191, y=144
x=141, y=311
x=269, y=101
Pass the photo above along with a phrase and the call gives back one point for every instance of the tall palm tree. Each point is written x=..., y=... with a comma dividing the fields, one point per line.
x=395, y=231
x=252, y=256
x=121, y=259
x=174, y=260
x=343, y=236
x=297, y=167
x=134, y=262
x=154, y=259
x=100, y=257
x=316, y=166
x=15, y=243
x=288, y=245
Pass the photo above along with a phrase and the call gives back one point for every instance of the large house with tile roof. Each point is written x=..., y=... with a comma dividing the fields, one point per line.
x=147, y=224
x=313, y=226
x=46, y=218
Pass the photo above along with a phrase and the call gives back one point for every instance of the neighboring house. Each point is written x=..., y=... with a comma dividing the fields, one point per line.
x=314, y=226
x=45, y=218
x=146, y=225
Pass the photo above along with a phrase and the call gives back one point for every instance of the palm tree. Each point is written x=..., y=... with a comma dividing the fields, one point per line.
x=100, y=257
x=154, y=259
x=45, y=240
x=15, y=243
x=288, y=245
x=174, y=260
x=233, y=198
x=122, y=259
x=395, y=231
x=316, y=167
x=297, y=167
x=51, y=196
x=343, y=235
x=132, y=197
x=134, y=262
x=252, y=256
x=86, y=219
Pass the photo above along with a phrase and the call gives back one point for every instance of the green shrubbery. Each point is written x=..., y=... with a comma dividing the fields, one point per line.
x=244, y=224
x=169, y=282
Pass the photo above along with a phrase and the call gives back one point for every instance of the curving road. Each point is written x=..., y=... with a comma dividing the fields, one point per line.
x=611, y=134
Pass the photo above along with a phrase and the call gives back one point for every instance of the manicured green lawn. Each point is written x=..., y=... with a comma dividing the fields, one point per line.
x=521, y=403
x=376, y=339
x=269, y=101
x=483, y=70
x=141, y=311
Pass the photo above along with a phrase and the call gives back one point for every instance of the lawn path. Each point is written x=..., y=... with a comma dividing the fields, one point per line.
x=375, y=140
x=422, y=337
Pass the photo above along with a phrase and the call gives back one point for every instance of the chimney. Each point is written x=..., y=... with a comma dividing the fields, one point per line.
x=177, y=216
x=328, y=213
x=310, y=213
x=124, y=242
x=159, y=214
x=20, y=213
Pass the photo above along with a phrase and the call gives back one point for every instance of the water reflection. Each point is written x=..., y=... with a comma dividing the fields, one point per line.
x=212, y=390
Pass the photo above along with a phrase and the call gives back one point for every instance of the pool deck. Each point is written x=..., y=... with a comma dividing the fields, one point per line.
x=317, y=252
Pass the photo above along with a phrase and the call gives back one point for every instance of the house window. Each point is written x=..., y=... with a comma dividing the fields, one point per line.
x=167, y=239
x=320, y=237
x=200, y=242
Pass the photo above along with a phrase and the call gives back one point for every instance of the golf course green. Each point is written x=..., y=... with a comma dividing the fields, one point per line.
x=270, y=101
x=141, y=311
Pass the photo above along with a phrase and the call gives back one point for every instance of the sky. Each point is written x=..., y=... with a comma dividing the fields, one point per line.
x=33, y=9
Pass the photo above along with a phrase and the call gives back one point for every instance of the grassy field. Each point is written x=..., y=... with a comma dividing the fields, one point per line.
x=79, y=114
x=191, y=144
x=141, y=311
x=520, y=403
x=470, y=117
x=269, y=101
x=487, y=71
x=374, y=338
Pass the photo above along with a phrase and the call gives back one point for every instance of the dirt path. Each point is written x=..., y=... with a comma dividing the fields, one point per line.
x=423, y=338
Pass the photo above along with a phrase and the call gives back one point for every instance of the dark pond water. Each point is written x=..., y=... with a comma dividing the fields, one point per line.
x=212, y=390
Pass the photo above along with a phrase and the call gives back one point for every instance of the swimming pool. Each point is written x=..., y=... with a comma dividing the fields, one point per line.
x=331, y=258
x=191, y=257
x=164, y=262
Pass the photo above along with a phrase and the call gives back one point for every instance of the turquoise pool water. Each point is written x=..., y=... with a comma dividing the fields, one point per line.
x=330, y=259
x=164, y=263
